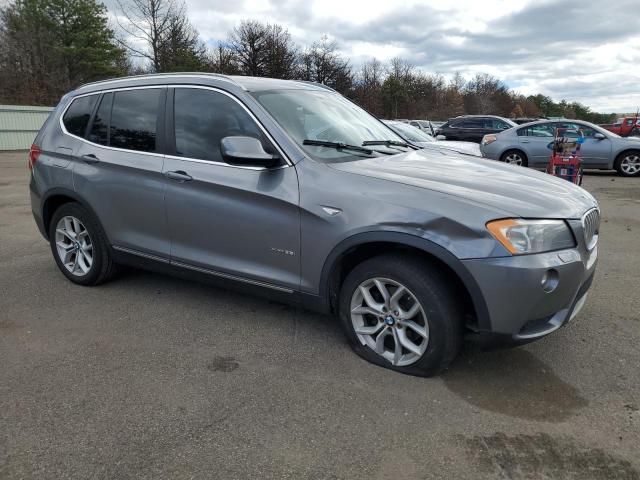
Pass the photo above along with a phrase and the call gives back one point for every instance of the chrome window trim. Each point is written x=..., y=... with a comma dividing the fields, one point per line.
x=64, y=130
x=288, y=162
x=249, y=112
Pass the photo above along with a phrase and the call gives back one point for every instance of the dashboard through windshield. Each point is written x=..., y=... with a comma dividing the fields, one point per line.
x=325, y=116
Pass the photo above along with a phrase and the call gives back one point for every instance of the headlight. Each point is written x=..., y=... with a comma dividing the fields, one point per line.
x=487, y=139
x=532, y=236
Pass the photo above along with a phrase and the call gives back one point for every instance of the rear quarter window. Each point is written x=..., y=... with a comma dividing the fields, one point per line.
x=77, y=116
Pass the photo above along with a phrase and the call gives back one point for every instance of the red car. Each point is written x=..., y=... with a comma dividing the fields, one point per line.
x=625, y=127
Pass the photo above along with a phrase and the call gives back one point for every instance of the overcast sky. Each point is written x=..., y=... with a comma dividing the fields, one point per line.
x=580, y=50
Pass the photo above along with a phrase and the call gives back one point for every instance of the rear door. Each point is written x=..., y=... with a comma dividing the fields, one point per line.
x=534, y=141
x=236, y=221
x=119, y=169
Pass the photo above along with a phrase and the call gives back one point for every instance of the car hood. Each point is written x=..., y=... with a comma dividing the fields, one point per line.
x=510, y=189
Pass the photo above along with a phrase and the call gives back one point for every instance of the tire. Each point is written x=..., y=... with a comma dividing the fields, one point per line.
x=515, y=157
x=628, y=163
x=438, y=315
x=79, y=246
x=635, y=132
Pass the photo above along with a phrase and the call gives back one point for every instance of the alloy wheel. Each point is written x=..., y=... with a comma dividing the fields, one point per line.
x=630, y=164
x=514, y=159
x=390, y=320
x=74, y=245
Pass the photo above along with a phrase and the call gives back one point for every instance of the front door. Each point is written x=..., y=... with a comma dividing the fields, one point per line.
x=236, y=221
x=594, y=152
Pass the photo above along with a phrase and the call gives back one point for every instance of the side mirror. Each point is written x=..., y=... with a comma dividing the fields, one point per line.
x=246, y=151
x=599, y=136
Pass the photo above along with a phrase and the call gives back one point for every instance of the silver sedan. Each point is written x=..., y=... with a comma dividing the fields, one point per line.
x=528, y=145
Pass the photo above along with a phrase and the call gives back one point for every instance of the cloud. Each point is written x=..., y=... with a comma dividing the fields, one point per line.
x=581, y=50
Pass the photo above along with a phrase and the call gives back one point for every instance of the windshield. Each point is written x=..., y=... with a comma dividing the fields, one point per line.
x=412, y=134
x=325, y=116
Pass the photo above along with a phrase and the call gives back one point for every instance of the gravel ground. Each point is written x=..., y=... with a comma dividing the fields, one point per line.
x=154, y=377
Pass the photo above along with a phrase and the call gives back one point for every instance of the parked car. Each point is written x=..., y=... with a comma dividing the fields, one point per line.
x=471, y=128
x=290, y=190
x=422, y=139
x=625, y=127
x=424, y=125
x=523, y=120
x=528, y=145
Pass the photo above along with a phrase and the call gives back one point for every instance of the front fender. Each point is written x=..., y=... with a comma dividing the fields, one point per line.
x=408, y=240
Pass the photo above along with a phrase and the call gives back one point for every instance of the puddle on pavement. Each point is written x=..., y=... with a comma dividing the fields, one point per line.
x=515, y=383
x=223, y=364
x=543, y=456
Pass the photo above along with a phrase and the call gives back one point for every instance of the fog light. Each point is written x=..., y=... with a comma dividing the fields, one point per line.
x=550, y=280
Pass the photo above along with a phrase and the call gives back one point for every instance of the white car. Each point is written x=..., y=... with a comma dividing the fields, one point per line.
x=420, y=138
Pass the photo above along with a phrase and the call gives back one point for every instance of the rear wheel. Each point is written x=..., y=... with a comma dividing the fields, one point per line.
x=515, y=157
x=628, y=163
x=79, y=246
x=401, y=314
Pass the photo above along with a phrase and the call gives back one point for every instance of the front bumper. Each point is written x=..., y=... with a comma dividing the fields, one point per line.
x=530, y=296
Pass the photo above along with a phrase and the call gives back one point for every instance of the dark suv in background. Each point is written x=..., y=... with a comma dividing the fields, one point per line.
x=471, y=128
x=290, y=190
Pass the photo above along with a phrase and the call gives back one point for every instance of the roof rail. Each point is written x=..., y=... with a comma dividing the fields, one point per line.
x=160, y=75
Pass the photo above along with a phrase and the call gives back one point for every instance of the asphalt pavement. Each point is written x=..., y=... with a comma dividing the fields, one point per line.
x=153, y=377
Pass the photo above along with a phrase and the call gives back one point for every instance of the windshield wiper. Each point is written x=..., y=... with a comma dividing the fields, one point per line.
x=337, y=145
x=386, y=143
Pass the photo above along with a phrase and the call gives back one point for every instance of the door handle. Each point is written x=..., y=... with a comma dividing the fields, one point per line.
x=179, y=175
x=524, y=141
x=90, y=158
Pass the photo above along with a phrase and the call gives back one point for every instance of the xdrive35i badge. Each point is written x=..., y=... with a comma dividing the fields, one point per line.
x=283, y=251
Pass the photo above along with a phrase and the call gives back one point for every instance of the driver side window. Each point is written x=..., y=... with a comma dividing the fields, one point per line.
x=204, y=117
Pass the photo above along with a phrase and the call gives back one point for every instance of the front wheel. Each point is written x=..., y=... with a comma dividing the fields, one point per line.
x=628, y=164
x=399, y=312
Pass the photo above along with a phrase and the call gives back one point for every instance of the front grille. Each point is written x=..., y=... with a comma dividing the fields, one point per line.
x=591, y=227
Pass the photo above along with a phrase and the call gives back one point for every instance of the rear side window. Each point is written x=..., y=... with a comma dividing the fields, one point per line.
x=497, y=124
x=134, y=118
x=471, y=123
x=100, y=127
x=541, y=130
x=203, y=117
x=77, y=116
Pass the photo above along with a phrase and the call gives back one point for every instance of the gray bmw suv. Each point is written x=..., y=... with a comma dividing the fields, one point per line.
x=288, y=189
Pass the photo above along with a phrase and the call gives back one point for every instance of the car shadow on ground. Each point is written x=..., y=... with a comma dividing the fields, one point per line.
x=512, y=382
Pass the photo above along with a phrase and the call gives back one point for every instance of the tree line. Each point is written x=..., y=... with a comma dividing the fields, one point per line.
x=48, y=47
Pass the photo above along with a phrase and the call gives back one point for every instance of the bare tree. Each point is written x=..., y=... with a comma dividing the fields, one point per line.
x=263, y=50
x=324, y=64
x=248, y=41
x=160, y=32
x=368, y=82
x=222, y=59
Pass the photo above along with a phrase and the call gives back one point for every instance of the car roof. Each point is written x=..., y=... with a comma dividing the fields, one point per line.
x=250, y=84
x=481, y=116
x=539, y=122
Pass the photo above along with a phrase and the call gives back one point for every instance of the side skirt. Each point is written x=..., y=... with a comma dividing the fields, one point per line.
x=153, y=263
